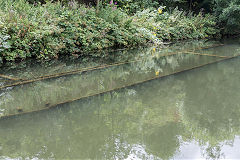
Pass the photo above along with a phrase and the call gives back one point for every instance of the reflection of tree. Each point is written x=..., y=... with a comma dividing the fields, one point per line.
x=211, y=107
x=40, y=94
x=213, y=152
x=107, y=126
x=147, y=120
x=150, y=116
x=124, y=119
x=163, y=142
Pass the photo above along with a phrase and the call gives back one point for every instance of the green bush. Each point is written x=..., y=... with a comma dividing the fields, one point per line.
x=132, y=6
x=46, y=31
x=228, y=13
x=49, y=30
x=178, y=25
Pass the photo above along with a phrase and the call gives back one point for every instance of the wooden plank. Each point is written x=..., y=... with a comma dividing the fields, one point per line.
x=204, y=54
x=8, y=77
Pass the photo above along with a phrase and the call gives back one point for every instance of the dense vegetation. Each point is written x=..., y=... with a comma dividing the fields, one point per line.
x=47, y=30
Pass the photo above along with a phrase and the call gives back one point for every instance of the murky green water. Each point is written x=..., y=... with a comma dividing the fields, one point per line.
x=190, y=115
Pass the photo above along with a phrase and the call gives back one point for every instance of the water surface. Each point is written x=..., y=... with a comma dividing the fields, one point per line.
x=190, y=115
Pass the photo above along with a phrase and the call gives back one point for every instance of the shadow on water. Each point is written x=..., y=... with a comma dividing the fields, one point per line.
x=194, y=114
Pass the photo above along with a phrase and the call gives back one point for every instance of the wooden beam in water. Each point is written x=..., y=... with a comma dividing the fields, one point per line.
x=40, y=78
x=204, y=54
x=208, y=47
x=125, y=86
x=8, y=77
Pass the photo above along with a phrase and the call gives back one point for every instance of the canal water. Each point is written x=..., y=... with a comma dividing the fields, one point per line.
x=190, y=115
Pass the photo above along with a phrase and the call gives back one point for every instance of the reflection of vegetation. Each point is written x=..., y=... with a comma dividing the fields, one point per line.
x=213, y=117
x=30, y=68
x=119, y=119
x=42, y=94
x=150, y=120
x=163, y=142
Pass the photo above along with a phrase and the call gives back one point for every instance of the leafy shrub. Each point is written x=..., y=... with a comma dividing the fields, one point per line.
x=178, y=25
x=172, y=4
x=52, y=29
x=132, y=6
x=228, y=13
x=49, y=30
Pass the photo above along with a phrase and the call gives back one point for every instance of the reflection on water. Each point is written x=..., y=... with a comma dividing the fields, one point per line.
x=147, y=64
x=195, y=114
